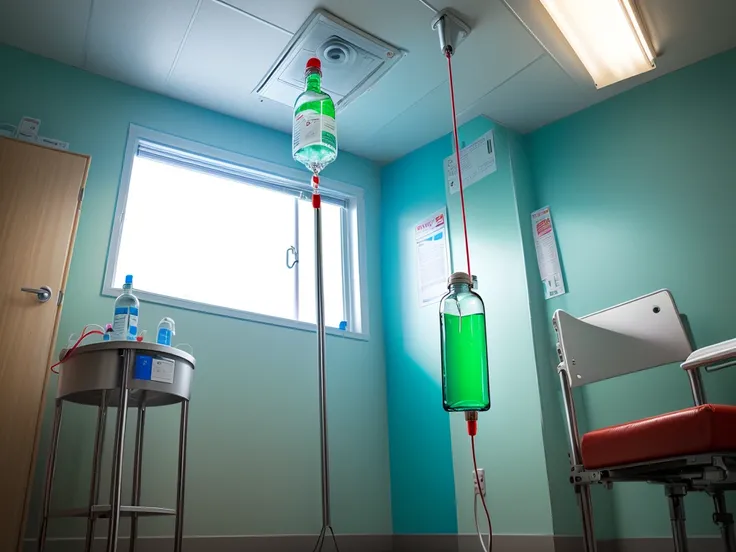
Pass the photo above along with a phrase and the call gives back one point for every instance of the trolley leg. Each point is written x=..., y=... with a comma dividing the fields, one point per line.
x=137, y=467
x=117, y=471
x=94, y=487
x=179, y=533
x=724, y=520
x=50, y=468
x=676, y=496
x=586, y=512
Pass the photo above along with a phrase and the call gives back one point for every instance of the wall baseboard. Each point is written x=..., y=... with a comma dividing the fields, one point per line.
x=382, y=543
x=469, y=543
x=276, y=543
x=544, y=543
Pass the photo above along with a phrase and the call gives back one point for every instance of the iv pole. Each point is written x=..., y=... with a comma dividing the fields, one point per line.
x=452, y=30
x=320, y=292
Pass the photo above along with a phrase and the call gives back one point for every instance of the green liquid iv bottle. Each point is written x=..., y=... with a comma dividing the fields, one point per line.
x=314, y=138
x=465, y=384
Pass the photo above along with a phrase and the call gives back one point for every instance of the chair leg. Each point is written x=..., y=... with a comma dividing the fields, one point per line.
x=586, y=512
x=724, y=520
x=676, y=496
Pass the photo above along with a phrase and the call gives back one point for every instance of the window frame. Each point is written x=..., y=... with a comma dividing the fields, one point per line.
x=264, y=172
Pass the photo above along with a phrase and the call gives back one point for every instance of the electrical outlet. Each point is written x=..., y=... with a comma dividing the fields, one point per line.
x=482, y=478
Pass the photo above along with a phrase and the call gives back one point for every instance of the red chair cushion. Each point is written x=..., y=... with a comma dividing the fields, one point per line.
x=700, y=429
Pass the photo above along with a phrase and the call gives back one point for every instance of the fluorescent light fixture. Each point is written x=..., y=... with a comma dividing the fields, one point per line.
x=606, y=35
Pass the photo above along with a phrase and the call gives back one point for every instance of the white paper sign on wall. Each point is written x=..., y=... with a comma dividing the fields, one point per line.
x=477, y=160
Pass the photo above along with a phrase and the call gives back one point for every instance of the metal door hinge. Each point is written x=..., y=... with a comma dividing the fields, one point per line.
x=81, y=195
x=60, y=300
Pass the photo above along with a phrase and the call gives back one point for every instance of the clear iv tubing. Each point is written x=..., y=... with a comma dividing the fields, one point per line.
x=482, y=499
x=457, y=157
x=73, y=348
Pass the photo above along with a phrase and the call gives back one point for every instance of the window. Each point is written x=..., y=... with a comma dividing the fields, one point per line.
x=210, y=230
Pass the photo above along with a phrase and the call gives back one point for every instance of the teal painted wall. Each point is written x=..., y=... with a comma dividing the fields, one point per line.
x=642, y=191
x=422, y=479
x=254, y=436
x=430, y=458
x=566, y=520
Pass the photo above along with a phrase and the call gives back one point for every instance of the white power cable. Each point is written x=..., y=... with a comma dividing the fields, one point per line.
x=486, y=548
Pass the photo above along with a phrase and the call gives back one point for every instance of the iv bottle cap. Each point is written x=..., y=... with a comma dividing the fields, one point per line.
x=314, y=65
x=459, y=278
x=128, y=278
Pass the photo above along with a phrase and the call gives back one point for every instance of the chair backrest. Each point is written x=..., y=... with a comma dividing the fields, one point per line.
x=637, y=335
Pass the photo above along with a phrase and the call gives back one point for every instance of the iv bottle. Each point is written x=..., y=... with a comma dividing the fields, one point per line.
x=314, y=138
x=465, y=384
x=125, y=317
x=165, y=331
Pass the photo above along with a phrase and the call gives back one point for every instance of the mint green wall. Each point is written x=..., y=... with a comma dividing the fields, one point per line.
x=566, y=520
x=642, y=191
x=422, y=478
x=253, y=438
x=510, y=442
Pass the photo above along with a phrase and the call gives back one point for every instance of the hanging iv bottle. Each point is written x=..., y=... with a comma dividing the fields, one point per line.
x=314, y=138
x=465, y=384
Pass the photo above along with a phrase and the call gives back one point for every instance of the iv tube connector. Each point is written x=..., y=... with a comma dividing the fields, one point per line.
x=451, y=28
x=471, y=418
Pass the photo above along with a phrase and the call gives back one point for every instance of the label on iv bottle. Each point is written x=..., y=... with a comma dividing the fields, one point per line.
x=312, y=128
x=125, y=323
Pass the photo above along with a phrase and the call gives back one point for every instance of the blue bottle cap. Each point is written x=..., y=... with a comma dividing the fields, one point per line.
x=128, y=278
x=343, y=325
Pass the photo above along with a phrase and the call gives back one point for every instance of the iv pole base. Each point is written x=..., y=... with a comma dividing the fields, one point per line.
x=321, y=539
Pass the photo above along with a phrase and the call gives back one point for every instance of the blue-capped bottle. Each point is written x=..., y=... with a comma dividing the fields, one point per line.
x=165, y=331
x=125, y=316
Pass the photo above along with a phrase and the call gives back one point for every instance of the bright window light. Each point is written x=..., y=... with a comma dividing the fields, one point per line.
x=606, y=35
x=204, y=234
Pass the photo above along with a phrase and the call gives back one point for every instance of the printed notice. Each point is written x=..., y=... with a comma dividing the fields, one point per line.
x=433, y=265
x=477, y=160
x=162, y=370
x=547, y=257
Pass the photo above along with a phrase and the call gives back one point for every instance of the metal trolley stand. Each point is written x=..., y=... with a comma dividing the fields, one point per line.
x=122, y=374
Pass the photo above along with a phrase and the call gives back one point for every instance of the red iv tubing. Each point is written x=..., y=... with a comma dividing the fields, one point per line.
x=315, y=194
x=471, y=421
x=457, y=157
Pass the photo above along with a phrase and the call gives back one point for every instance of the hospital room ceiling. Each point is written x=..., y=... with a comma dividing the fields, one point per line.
x=515, y=67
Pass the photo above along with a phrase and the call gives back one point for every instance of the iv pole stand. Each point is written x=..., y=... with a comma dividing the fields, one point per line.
x=320, y=296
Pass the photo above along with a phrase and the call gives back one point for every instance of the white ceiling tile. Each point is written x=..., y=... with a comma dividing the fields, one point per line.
x=501, y=70
x=425, y=121
x=544, y=89
x=137, y=40
x=684, y=31
x=51, y=29
x=498, y=47
x=225, y=56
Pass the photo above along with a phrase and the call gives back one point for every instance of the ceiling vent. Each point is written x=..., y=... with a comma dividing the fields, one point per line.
x=352, y=61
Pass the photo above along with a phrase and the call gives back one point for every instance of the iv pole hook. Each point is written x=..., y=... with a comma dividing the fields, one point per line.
x=451, y=29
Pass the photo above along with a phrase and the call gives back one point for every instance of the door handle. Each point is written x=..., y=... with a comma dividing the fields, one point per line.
x=43, y=293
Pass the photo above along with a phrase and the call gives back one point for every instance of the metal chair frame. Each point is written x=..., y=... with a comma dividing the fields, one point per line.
x=637, y=335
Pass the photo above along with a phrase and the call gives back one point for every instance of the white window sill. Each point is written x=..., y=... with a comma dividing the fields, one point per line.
x=149, y=297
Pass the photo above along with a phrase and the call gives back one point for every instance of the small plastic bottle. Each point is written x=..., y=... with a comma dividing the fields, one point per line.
x=165, y=331
x=125, y=317
x=465, y=385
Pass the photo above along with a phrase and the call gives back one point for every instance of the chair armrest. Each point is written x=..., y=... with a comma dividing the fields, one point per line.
x=719, y=355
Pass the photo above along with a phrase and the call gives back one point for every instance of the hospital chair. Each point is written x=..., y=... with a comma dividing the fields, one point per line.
x=690, y=450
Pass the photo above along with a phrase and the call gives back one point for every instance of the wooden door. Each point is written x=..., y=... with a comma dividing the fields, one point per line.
x=40, y=192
